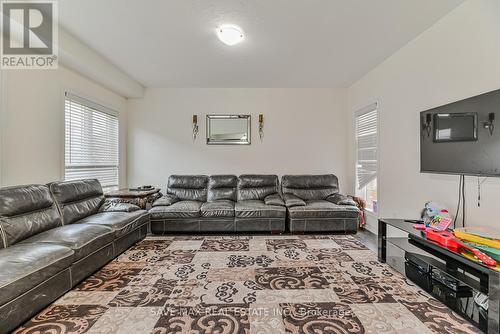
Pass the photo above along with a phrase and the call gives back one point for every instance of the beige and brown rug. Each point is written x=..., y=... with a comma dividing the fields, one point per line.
x=249, y=284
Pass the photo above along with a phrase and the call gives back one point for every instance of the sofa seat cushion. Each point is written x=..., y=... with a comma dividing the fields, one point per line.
x=83, y=239
x=258, y=209
x=120, y=222
x=323, y=209
x=181, y=209
x=219, y=208
x=24, y=266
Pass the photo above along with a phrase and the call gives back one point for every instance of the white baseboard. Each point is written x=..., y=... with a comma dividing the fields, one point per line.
x=371, y=222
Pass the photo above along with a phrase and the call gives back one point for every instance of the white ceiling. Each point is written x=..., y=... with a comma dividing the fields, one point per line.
x=289, y=43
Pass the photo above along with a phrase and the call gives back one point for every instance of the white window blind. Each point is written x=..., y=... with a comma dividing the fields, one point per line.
x=366, y=145
x=91, y=143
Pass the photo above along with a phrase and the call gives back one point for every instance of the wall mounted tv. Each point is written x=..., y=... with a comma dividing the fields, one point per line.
x=461, y=138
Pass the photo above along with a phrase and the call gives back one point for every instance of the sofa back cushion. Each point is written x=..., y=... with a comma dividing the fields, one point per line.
x=26, y=211
x=310, y=187
x=252, y=187
x=222, y=187
x=188, y=187
x=77, y=199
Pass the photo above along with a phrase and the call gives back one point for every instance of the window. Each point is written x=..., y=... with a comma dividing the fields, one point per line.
x=91, y=142
x=366, y=131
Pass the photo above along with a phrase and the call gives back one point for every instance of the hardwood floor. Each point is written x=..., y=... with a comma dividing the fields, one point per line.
x=368, y=238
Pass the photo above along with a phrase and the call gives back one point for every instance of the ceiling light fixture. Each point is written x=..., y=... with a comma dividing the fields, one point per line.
x=230, y=34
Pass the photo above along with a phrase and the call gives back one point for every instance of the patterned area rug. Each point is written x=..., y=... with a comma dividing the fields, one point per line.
x=248, y=284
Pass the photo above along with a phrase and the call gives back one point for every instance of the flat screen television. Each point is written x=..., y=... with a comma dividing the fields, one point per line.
x=455, y=127
x=461, y=138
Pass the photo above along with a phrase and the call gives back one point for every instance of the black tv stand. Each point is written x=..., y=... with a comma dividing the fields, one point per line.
x=417, y=253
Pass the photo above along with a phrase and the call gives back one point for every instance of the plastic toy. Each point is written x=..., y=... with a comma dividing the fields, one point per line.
x=449, y=241
x=436, y=216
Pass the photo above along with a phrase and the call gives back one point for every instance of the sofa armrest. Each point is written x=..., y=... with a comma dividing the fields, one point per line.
x=340, y=199
x=274, y=199
x=292, y=200
x=165, y=200
x=118, y=207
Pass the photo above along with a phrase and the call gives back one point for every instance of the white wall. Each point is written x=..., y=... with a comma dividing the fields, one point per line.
x=32, y=123
x=305, y=132
x=80, y=58
x=456, y=58
x=3, y=106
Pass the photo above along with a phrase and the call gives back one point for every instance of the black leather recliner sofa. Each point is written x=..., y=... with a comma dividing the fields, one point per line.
x=219, y=203
x=52, y=237
x=315, y=205
x=252, y=203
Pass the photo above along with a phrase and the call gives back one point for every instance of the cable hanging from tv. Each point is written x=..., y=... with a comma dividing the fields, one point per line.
x=479, y=185
x=461, y=202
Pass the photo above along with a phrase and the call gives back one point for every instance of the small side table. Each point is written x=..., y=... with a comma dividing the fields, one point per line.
x=141, y=198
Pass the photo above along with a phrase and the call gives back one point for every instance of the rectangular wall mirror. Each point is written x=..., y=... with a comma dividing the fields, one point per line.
x=228, y=129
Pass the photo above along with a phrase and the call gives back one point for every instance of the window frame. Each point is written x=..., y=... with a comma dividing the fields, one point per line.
x=92, y=103
x=359, y=112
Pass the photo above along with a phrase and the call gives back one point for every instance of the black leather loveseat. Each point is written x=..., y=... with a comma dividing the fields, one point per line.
x=52, y=237
x=315, y=205
x=219, y=203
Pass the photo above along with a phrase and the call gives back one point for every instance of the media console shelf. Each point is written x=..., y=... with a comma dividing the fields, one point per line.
x=475, y=276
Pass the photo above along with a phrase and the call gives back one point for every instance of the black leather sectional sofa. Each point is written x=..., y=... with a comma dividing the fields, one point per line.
x=52, y=237
x=315, y=205
x=253, y=203
x=219, y=203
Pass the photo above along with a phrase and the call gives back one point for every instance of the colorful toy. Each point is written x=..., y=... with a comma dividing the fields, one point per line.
x=471, y=257
x=485, y=239
x=431, y=209
x=436, y=216
x=491, y=252
x=443, y=224
x=448, y=240
x=479, y=235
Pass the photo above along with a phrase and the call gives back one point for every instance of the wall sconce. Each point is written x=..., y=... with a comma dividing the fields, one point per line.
x=426, y=126
x=261, y=126
x=490, y=125
x=195, y=126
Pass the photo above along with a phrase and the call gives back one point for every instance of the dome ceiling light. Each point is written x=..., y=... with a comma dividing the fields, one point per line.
x=230, y=34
